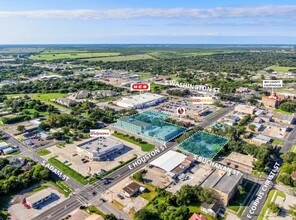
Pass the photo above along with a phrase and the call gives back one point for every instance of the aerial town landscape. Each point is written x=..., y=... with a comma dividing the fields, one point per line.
x=156, y=130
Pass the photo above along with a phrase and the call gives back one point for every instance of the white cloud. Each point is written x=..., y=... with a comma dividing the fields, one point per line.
x=128, y=13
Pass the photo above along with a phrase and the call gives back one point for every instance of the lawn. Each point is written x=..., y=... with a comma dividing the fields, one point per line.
x=62, y=187
x=121, y=58
x=145, y=147
x=47, y=97
x=238, y=200
x=149, y=195
x=283, y=112
x=67, y=170
x=293, y=149
x=71, y=55
x=14, y=95
x=93, y=209
x=43, y=152
x=258, y=174
x=278, y=142
x=269, y=200
x=280, y=68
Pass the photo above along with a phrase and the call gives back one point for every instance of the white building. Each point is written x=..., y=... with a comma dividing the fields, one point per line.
x=172, y=163
x=99, y=148
x=141, y=100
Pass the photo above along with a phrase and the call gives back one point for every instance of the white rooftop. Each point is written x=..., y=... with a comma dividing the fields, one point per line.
x=169, y=160
x=133, y=101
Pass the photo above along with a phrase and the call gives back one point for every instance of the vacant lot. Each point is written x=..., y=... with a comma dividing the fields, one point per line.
x=72, y=55
x=122, y=58
x=281, y=68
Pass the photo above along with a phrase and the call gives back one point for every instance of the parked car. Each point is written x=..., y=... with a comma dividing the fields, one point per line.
x=103, y=200
x=120, y=196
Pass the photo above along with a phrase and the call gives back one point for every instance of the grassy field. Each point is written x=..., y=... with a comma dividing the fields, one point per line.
x=145, y=147
x=122, y=58
x=71, y=55
x=43, y=152
x=280, y=68
x=149, y=195
x=67, y=170
x=47, y=97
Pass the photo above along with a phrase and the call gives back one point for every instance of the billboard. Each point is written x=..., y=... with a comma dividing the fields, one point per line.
x=272, y=83
x=99, y=133
x=140, y=87
x=202, y=100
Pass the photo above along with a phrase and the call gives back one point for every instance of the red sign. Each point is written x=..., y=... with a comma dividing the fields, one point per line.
x=140, y=87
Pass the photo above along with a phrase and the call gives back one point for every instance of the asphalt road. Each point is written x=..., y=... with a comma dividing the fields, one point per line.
x=84, y=194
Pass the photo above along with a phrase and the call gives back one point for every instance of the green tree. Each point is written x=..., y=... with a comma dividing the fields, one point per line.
x=292, y=211
x=274, y=208
x=110, y=217
x=21, y=128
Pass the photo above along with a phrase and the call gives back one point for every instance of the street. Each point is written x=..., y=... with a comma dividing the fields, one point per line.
x=84, y=194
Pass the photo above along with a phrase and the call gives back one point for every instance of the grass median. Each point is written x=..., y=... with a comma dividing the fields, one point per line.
x=67, y=170
x=43, y=152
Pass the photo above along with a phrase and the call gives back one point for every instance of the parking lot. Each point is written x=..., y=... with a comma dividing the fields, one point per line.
x=19, y=212
x=196, y=175
x=192, y=111
x=69, y=156
x=157, y=178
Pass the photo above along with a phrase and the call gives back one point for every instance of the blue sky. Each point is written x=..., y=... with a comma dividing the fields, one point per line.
x=151, y=21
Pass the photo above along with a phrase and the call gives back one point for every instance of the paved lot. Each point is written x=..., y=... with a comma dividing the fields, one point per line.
x=157, y=178
x=68, y=152
x=19, y=212
x=197, y=175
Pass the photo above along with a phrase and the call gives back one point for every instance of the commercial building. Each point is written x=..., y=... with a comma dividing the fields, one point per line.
x=284, y=118
x=246, y=109
x=38, y=198
x=141, y=100
x=134, y=125
x=172, y=163
x=271, y=101
x=240, y=161
x=8, y=150
x=225, y=185
x=99, y=148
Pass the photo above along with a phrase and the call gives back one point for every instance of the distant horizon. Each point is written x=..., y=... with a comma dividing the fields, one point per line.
x=147, y=22
x=151, y=44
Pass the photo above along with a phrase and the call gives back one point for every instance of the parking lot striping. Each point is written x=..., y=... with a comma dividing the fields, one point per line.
x=267, y=185
x=147, y=156
x=54, y=170
x=216, y=165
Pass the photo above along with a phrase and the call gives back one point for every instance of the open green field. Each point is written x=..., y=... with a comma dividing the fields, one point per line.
x=47, y=97
x=72, y=55
x=122, y=58
x=280, y=68
x=13, y=50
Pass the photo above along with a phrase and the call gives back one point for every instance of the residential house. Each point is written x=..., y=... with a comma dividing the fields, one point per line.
x=211, y=209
